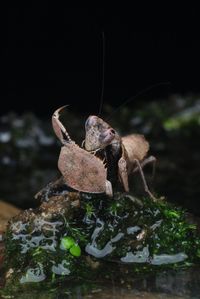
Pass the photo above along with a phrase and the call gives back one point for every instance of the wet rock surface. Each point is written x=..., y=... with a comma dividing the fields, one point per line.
x=95, y=239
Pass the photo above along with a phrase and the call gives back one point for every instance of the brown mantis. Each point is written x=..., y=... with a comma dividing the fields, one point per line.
x=105, y=155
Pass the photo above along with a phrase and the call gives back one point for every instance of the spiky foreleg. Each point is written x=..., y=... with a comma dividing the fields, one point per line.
x=58, y=127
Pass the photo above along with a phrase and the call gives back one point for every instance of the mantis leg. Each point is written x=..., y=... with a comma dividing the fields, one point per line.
x=109, y=190
x=146, y=188
x=123, y=174
x=148, y=160
x=58, y=127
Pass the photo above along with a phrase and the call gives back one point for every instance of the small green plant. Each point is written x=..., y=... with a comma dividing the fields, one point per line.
x=75, y=250
x=68, y=243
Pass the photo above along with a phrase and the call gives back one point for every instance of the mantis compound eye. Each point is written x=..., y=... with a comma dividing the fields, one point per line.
x=91, y=121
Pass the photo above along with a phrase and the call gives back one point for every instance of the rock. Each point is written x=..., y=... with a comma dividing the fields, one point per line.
x=7, y=211
x=122, y=231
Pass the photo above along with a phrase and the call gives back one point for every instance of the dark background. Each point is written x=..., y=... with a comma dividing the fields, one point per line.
x=52, y=55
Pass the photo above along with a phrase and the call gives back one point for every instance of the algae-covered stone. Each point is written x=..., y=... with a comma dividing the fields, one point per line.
x=93, y=229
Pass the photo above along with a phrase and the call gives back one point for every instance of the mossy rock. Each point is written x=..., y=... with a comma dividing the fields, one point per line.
x=107, y=234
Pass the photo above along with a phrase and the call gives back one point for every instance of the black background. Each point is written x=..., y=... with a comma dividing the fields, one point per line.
x=52, y=55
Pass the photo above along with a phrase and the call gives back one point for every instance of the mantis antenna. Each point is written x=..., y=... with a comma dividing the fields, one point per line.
x=130, y=98
x=103, y=74
x=138, y=94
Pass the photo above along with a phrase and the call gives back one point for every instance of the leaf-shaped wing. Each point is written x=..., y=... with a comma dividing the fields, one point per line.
x=136, y=146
